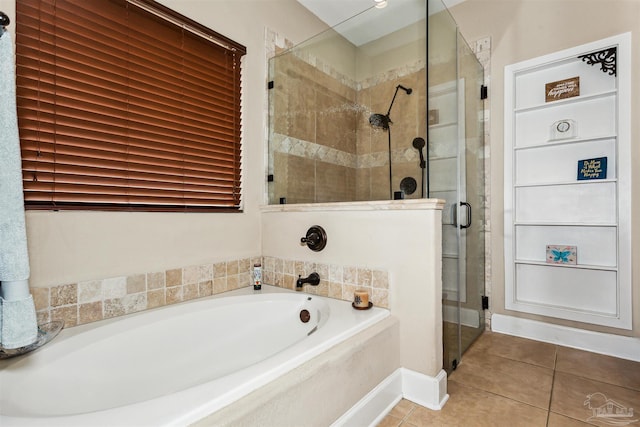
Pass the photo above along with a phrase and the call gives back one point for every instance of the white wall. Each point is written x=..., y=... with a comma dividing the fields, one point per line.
x=402, y=238
x=67, y=247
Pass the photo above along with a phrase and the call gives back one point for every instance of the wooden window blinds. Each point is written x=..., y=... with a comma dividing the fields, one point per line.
x=126, y=105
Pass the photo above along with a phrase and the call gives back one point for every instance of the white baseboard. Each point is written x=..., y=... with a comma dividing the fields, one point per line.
x=597, y=342
x=430, y=392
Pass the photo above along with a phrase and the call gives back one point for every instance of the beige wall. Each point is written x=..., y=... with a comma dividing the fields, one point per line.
x=524, y=29
x=67, y=247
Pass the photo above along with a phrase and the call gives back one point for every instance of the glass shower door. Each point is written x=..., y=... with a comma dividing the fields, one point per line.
x=456, y=174
x=472, y=200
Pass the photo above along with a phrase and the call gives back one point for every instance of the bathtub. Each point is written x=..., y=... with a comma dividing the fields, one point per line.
x=174, y=365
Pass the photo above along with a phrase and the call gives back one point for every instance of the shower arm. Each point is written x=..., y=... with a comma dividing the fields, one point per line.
x=392, y=101
x=394, y=98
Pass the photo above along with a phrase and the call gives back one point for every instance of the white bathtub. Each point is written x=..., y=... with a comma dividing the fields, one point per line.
x=174, y=365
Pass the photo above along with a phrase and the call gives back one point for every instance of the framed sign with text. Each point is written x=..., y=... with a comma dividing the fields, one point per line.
x=562, y=89
x=592, y=169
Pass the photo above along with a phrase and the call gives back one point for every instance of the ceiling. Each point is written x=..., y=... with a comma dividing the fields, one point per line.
x=371, y=26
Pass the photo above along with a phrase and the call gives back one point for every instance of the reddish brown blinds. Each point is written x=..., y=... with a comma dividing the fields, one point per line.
x=121, y=109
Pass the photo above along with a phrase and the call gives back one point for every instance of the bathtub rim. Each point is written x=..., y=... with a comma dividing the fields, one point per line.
x=201, y=407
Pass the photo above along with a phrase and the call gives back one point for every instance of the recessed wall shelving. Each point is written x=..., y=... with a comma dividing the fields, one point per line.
x=567, y=186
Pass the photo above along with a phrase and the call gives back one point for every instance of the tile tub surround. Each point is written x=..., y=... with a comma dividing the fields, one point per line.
x=89, y=301
x=93, y=300
x=336, y=281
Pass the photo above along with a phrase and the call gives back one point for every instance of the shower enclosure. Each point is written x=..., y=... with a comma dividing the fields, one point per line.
x=345, y=108
x=456, y=170
x=385, y=105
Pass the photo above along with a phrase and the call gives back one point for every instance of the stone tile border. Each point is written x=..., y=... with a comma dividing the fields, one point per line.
x=93, y=300
x=89, y=301
x=336, y=281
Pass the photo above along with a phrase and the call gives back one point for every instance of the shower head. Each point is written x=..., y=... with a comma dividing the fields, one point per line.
x=379, y=121
x=383, y=120
x=419, y=144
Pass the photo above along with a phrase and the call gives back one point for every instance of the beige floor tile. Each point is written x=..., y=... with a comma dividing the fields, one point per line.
x=509, y=381
x=450, y=339
x=402, y=408
x=516, y=348
x=390, y=421
x=557, y=420
x=571, y=396
x=468, y=406
x=599, y=367
x=520, y=381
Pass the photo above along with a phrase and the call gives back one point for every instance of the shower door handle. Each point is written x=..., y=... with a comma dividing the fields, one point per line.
x=468, y=224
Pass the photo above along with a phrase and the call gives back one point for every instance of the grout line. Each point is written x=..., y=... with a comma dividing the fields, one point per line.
x=493, y=393
x=553, y=381
x=600, y=380
x=406, y=416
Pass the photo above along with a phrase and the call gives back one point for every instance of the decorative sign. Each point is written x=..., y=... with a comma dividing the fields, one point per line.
x=567, y=88
x=562, y=254
x=592, y=169
x=434, y=117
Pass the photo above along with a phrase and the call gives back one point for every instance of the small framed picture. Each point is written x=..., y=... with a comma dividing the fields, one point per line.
x=562, y=89
x=592, y=169
x=434, y=117
x=561, y=254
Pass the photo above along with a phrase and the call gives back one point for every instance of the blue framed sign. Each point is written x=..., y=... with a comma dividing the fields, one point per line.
x=592, y=169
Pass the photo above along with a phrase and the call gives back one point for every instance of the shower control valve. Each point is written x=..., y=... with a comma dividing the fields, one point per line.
x=316, y=238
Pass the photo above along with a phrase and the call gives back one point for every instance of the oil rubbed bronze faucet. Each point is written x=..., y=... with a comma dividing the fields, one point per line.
x=313, y=280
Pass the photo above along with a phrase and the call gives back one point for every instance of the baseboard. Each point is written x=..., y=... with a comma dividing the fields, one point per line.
x=430, y=392
x=375, y=405
x=597, y=342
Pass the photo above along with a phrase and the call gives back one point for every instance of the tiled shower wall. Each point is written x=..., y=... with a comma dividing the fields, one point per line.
x=323, y=148
x=409, y=121
x=90, y=301
x=314, y=137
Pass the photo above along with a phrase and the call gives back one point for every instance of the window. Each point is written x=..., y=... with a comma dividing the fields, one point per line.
x=126, y=105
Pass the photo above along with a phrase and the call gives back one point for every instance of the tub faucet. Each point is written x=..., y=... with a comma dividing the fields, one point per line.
x=313, y=279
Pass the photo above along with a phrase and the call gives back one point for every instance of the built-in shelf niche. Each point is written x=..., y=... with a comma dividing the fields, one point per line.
x=546, y=203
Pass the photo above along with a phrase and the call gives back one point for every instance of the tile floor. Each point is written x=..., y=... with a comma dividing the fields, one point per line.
x=511, y=381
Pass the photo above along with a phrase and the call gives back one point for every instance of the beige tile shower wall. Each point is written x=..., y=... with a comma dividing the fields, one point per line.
x=409, y=121
x=85, y=302
x=328, y=151
x=336, y=281
x=313, y=139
